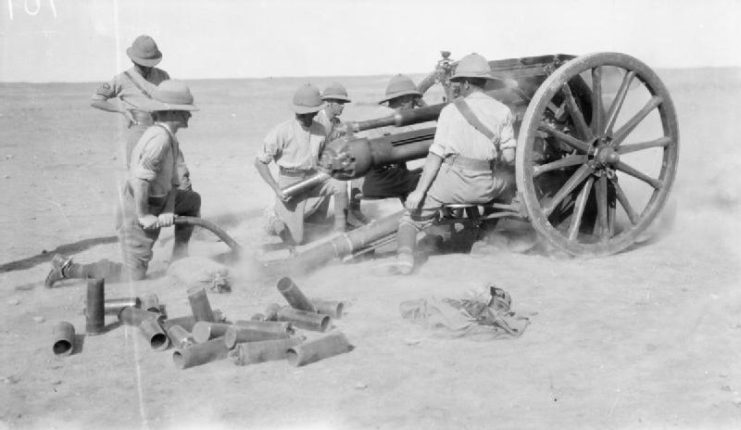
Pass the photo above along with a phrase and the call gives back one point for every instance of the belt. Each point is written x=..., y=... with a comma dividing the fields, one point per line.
x=470, y=163
x=295, y=172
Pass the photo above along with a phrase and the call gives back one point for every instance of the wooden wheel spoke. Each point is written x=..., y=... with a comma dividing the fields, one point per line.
x=573, y=142
x=597, y=101
x=618, y=102
x=568, y=161
x=576, y=114
x=602, y=215
x=633, y=147
x=623, y=199
x=638, y=174
x=579, y=206
x=628, y=127
x=567, y=188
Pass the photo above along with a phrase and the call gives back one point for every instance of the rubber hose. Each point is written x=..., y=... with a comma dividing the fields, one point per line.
x=213, y=228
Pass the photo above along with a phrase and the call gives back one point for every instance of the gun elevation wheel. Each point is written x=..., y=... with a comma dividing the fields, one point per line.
x=593, y=176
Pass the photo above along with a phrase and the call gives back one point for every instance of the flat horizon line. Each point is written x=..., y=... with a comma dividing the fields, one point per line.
x=377, y=75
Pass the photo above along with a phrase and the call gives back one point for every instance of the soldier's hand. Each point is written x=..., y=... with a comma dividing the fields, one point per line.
x=166, y=219
x=414, y=199
x=148, y=221
x=281, y=196
x=129, y=117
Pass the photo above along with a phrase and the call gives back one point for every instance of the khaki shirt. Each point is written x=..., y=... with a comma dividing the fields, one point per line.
x=455, y=136
x=154, y=159
x=123, y=87
x=292, y=146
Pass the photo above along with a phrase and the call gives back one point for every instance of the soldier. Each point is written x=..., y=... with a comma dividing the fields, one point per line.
x=294, y=145
x=335, y=97
x=469, y=161
x=394, y=180
x=151, y=198
x=134, y=88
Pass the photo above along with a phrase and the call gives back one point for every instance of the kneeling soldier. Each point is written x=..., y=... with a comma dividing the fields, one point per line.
x=295, y=145
x=151, y=198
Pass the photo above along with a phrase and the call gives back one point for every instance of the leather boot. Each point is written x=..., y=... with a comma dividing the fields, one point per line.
x=406, y=238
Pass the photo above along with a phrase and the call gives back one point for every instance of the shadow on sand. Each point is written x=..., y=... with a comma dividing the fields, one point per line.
x=45, y=256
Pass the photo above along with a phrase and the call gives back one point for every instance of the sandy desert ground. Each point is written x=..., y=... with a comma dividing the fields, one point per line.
x=648, y=338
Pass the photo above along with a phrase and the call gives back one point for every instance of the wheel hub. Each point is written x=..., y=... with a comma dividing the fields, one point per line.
x=607, y=156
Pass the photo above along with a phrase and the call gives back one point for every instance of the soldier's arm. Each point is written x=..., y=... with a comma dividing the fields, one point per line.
x=264, y=171
x=103, y=94
x=140, y=188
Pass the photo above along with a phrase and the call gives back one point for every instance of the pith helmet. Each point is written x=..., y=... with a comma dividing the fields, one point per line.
x=170, y=95
x=144, y=51
x=335, y=91
x=473, y=66
x=400, y=85
x=307, y=99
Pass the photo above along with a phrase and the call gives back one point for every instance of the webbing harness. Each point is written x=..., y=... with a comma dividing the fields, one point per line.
x=476, y=123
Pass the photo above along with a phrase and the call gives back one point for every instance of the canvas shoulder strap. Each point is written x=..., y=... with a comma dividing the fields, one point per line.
x=171, y=141
x=137, y=84
x=475, y=122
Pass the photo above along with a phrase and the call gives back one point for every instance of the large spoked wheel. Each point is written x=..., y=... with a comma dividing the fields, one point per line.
x=593, y=178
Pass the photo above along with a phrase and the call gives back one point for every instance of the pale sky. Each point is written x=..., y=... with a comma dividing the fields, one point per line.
x=86, y=40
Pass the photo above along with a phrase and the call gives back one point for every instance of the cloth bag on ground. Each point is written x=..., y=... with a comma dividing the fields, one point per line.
x=482, y=315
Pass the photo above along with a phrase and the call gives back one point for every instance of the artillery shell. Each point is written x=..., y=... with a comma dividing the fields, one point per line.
x=304, y=319
x=200, y=353
x=135, y=316
x=294, y=296
x=64, y=338
x=179, y=337
x=94, y=309
x=185, y=322
x=200, y=305
x=153, y=333
x=332, y=308
x=318, y=349
x=266, y=350
x=114, y=306
x=252, y=331
x=203, y=331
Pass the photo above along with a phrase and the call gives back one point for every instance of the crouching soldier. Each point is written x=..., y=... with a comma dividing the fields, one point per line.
x=294, y=145
x=150, y=198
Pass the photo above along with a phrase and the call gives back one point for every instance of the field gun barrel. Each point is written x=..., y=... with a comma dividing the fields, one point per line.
x=349, y=158
x=399, y=119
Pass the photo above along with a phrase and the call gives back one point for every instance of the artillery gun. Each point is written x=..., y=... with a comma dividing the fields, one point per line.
x=597, y=147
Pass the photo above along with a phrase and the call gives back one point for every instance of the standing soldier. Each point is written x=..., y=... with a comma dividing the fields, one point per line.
x=151, y=198
x=469, y=161
x=134, y=88
x=294, y=145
